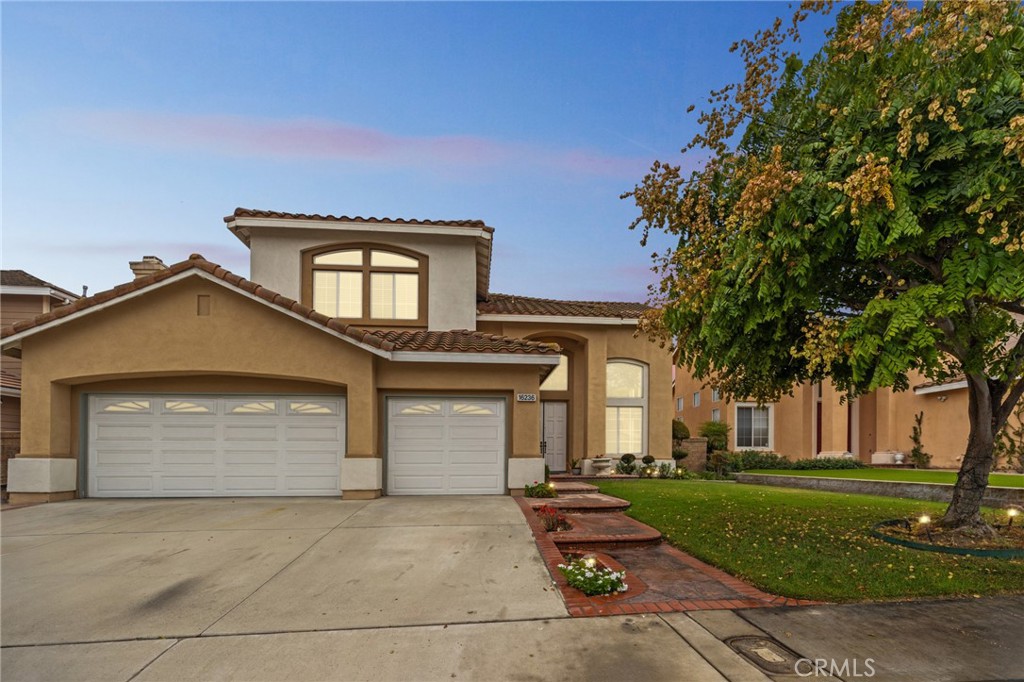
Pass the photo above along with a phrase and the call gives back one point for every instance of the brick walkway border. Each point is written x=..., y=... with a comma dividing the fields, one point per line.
x=580, y=605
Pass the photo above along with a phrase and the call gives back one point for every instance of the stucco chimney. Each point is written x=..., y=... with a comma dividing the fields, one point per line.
x=147, y=266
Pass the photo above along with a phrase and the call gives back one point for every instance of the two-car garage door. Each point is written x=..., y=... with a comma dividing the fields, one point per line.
x=208, y=446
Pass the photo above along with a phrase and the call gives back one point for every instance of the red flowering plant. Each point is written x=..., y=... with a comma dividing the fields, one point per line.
x=552, y=519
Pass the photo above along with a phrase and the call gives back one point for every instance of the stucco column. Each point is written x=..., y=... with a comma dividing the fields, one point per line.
x=834, y=419
x=596, y=363
x=44, y=470
x=362, y=470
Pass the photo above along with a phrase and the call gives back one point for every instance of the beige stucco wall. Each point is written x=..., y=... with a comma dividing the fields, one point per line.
x=276, y=263
x=158, y=343
x=883, y=420
x=593, y=346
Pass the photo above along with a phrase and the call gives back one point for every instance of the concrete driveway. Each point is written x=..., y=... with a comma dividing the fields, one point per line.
x=104, y=570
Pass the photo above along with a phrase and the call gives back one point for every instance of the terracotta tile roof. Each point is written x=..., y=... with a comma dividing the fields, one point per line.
x=465, y=341
x=196, y=261
x=256, y=213
x=944, y=382
x=8, y=380
x=20, y=278
x=505, y=304
x=453, y=341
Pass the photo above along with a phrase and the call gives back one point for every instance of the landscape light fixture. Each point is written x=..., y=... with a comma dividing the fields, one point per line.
x=1011, y=512
x=926, y=521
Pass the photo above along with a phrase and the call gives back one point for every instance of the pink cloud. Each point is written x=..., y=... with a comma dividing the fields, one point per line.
x=306, y=138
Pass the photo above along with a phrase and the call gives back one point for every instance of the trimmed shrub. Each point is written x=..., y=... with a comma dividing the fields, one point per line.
x=648, y=460
x=717, y=434
x=680, y=431
x=679, y=453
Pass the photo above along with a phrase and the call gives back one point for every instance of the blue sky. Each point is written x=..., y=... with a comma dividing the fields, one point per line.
x=133, y=128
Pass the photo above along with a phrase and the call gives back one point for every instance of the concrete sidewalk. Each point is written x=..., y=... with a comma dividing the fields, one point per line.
x=942, y=641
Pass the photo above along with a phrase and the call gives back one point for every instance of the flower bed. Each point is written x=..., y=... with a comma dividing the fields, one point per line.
x=588, y=576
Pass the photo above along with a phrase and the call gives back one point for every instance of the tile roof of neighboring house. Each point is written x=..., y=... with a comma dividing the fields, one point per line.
x=8, y=380
x=257, y=213
x=457, y=341
x=463, y=340
x=933, y=384
x=20, y=278
x=505, y=304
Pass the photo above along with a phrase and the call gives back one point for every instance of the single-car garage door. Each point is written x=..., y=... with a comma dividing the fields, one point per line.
x=214, y=446
x=446, y=446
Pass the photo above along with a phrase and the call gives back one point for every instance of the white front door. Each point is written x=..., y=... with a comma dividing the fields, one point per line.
x=553, y=418
x=446, y=446
x=203, y=445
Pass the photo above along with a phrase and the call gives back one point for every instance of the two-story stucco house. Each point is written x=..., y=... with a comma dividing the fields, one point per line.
x=366, y=357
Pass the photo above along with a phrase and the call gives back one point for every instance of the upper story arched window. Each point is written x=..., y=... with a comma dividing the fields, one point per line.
x=367, y=284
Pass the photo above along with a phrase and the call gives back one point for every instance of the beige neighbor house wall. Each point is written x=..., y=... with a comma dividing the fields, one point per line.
x=276, y=263
x=157, y=342
x=879, y=423
x=590, y=347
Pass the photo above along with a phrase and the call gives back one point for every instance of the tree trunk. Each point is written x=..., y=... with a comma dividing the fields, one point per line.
x=971, y=481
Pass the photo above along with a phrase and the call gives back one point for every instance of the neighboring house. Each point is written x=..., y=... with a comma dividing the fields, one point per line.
x=813, y=422
x=22, y=297
x=367, y=356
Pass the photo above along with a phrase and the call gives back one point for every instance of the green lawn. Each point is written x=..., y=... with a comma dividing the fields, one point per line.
x=903, y=475
x=809, y=544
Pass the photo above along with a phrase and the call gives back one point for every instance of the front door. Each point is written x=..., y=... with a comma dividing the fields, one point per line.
x=553, y=431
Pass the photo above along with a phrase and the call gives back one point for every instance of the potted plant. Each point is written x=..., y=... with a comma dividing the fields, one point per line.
x=574, y=466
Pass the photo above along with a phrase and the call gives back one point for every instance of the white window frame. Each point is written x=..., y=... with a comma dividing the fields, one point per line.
x=641, y=402
x=771, y=427
x=696, y=398
x=716, y=395
x=680, y=404
x=716, y=414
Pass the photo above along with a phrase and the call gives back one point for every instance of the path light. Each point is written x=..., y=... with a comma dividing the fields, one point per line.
x=1011, y=512
x=926, y=521
x=551, y=485
x=590, y=562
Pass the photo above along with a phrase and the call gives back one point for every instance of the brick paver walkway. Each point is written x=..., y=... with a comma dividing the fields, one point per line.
x=661, y=578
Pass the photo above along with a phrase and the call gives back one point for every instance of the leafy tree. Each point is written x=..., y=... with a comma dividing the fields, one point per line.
x=859, y=216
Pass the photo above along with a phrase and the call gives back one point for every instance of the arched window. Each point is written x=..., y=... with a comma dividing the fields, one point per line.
x=367, y=284
x=626, y=407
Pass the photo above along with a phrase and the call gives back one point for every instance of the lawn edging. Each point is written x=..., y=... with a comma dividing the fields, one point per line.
x=933, y=492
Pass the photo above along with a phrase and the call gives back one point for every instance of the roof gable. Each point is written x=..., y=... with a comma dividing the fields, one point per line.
x=242, y=220
x=391, y=345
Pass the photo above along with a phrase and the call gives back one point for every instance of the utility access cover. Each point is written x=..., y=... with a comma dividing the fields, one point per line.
x=766, y=653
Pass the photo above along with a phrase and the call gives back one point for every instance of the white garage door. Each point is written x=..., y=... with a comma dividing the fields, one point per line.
x=446, y=446
x=214, y=446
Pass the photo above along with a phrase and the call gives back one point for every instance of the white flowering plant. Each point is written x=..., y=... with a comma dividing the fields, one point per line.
x=587, y=576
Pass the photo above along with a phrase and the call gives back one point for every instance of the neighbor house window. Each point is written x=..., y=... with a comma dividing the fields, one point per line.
x=716, y=395
x=679, y=404
x=696, y=398
x=558, y=380
x=753, y=426
x=367, y=284
x=626, y=407
x=716, y=415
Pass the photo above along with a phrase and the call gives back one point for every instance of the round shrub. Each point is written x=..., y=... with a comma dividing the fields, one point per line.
x=680, y=431
x=648, y=460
